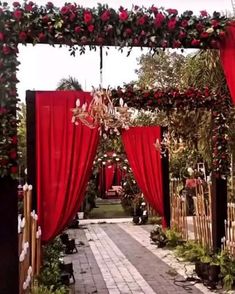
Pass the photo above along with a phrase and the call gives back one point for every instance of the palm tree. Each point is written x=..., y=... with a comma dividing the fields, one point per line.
x=69, y=84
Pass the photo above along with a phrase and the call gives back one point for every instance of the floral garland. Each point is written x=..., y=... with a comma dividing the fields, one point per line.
x=73, y=24
x=172, y=99
x=8, y=120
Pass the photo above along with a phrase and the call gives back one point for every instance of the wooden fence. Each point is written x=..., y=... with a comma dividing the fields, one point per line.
x=29, y=237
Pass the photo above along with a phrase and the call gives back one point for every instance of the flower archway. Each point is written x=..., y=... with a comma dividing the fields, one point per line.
x=76, y=27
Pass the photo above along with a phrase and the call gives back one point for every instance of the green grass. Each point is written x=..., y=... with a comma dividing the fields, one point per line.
x=108, y=211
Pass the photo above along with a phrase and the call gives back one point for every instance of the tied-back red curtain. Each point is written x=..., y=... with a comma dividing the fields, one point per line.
x=64, y=158
x=109, y=175
x=145, y=162
x=227, y=56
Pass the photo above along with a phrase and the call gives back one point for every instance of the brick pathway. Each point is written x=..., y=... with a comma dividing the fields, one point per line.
x=119, y=258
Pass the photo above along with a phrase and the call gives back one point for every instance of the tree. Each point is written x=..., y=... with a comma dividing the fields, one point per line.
x=161, y=70
x=69, y=84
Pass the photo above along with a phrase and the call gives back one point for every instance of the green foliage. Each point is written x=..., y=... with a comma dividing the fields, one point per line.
x=69, y=84
x=48, y=290
x=50, y=276
x=174, y=238
x=227, y=268
x=191, y=251
x=154, y=220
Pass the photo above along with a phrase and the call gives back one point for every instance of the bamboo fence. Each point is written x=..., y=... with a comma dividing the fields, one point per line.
x=201, y=218
x=202, y=222
x=228, y=242
x=179, y=216
x=29, y=243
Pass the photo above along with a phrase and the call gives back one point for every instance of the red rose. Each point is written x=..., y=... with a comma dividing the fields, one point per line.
x=2, y=110
x=204, y=35
x=123, y=15
x=28, y=7
x=128, y=31
x=195, y=42
x=14, y=169
x=164, y=44
x=105, y=16
x=91, y=28
x=222, y=34
x=6, y=49
x=154, y=9
x=176, y=44
x=204, y=13
x=77, y=29
x=99, y=40
x=45, y=19
x=215, y=23
x=72, y=17
x=16, y=4
x=22, y=36
x=199, y=27
x=215, y=44
x=64, y=10
x=14, y=140
x=172, y=11
x=171, y=24
x=13, y=154
x=2, y=37
x=87, y=16
x=17, y=14
x=184, y=23
x=182, y=35
x=41, y=37
x=49, y=5
x=159, y=19
x=141, y=20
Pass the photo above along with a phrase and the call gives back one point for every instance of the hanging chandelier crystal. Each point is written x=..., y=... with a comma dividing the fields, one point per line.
x=171, y=145
x=101, y=112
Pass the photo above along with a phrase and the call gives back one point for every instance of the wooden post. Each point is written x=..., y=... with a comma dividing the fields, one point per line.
x=9, y=261
x=218, y=209
x=166, y=184
x=31, y=145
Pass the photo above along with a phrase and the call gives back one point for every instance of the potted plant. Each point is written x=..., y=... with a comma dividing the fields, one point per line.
x=158, y=236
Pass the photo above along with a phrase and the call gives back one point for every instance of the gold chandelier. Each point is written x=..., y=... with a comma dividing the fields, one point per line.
x=101, y=112
x=172, y=145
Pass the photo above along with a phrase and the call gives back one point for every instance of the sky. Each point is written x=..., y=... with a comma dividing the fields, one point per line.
x=42, y=66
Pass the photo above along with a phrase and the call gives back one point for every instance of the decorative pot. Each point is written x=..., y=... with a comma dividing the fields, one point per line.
x=214, y=271
x=202, y=270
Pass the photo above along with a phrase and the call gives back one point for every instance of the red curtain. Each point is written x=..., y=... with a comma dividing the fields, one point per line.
x=109, y=175
x=227, y=55
x=64, y=158
x=145, y=162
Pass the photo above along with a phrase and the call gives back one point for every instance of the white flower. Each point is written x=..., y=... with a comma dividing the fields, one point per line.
x=210, y=30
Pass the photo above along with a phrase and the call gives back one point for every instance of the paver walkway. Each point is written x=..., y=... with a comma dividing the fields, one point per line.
x=119, y=258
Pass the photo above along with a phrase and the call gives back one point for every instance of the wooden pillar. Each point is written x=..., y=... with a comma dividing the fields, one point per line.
x=31, y=145
x=9, y=261
x=166, y=184
x=218, y=209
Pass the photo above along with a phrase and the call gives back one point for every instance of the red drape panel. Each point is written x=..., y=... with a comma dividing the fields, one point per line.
x=65, y=155
x=109, y=174
x=145, y=162
x=227, y=55
x=119, y=176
